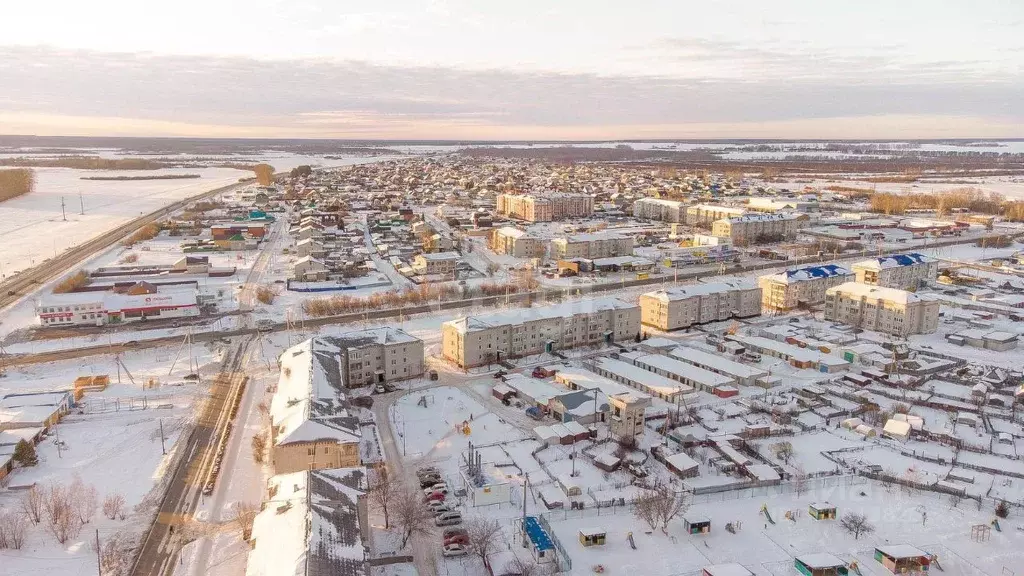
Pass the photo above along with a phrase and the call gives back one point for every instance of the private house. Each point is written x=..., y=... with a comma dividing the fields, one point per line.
x=309, y=269
x=314, y=523
x=583, y=406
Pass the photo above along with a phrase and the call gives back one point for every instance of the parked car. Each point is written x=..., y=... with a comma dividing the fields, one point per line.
x=433, y=375
x=428, y=481
x=439, y=487
x=450, y=532
x=453, y=550
x=427, y=470
x=265, y=325
x=448, y=519
x=438, y=507
x=432, y=496
x=499, y=373
x=363, y=401
x=460, y=538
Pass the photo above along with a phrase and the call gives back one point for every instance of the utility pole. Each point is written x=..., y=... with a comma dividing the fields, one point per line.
x=526, y=485
x=163, y=447
x=99, y=566
x=62, y=213
x=81, y=202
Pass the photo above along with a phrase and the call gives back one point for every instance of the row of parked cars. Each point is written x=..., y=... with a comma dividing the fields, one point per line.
x=454, y=541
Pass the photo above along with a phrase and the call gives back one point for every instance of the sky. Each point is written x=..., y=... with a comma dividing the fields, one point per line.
x=523, y=69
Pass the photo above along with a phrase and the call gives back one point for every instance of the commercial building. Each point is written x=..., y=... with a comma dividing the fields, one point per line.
x=801, y=286
x=438, y=263
x=750, y=228
x=99, y=308
x=902, y=271
x=886, y=310
x=708, y=213
x=685, y=306
x=477, y=340
x=314, y=523
x=659, y=209
x=546, y=208
x=592, y=246
x=516, y=242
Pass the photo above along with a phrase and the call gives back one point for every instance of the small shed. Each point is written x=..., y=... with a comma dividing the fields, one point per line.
x=897, y=430
x=569, y=486
x=607, y=462
x=903, y=558
x=730, y=569
x=822, y=511
x=592, y=537
x=682, y=465
x=697, y=524
x=820, y=564
x=502, y=392
x=866, y=431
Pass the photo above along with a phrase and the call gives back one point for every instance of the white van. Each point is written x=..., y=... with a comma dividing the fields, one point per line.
x=448, y=519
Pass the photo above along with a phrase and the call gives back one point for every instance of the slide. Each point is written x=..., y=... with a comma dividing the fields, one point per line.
x=995, y=524
x=935, y=562
x=764, y=509
x=855, y=569
x=632, y=544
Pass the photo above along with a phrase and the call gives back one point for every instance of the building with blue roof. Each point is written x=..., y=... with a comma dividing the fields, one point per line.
x=800, y=286
x=902, y=271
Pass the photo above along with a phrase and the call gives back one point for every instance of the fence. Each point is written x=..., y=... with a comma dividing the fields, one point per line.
x=562, y=552
x=97, y=404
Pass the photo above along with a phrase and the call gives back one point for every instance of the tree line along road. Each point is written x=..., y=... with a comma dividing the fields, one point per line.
x=542, y=295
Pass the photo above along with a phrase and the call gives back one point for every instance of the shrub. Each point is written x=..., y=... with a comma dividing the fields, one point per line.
x=130, y=258
x=17, y=182
x=72, y=283
x=1002, y=509
x=147, y=232
x=265, y=294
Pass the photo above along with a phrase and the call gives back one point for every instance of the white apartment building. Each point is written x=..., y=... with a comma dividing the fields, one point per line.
x=800, y=286
x=903, y=271
x=546, y=208
x=436, y=263
x=477, y=340
x=592, y=246
x=515, y=242
x=749, y=228
x=708, y=213
x=708, y=302
x=659, y=209
x=886, y=310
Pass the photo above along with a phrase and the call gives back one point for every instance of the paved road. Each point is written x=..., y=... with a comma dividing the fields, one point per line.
x=160, y=545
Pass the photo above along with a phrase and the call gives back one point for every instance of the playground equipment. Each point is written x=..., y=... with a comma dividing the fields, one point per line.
x=855, y=568
x=598, y=568
x=935, y=562
x=632, y=544
x=981, y=532
x=995, y=524
x=465, y=428
x=764, y=510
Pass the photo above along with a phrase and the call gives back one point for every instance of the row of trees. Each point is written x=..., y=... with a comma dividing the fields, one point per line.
x=423, y=294
x=17, y=182
x=943, y=203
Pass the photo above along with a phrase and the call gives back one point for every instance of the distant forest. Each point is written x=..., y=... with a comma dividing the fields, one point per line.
x=153, y=177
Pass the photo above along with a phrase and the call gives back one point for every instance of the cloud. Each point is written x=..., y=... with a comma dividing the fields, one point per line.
x=329, y=97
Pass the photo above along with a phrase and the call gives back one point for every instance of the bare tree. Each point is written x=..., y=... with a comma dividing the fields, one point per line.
x=244, y=514
x=259, y=446
x=60, y=516
x=32, y=504
x=800, y=481
x=483, y=536
x=660, y=505
x=887, y=480
x=954, y=500
x=12, y=530
x=783, y=451
x=645, y=509
x=856, y=524
x=84, y=499
x=520, y=567
x=113, y=506
x=411, y=515
x=116, y=554
x=384, y=492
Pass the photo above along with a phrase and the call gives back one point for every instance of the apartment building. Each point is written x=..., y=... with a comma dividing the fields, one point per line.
x=659, y=209
x=591, y=246
x=887, y=310
x=800, y=286
x=750, y=228
x=546, y=208
x=436, y=263
x=708, y=213
x=518, y=243
x=477, y=340
x=903, y=271
x=708, y=302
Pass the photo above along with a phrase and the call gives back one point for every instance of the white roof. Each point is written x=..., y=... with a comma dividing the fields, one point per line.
x=539, y=390
x=441, y=256
x=876, y=293
x=523, y=315
x=683, y=369
x=820, y=560
x=901, y=551
x=897, y=428
x=653, y=383
x=702, y=289
x=731, y=569
x=681, y=461
x=716, y=362
x=511, y=232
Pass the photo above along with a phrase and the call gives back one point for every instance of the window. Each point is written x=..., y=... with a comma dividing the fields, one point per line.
x=311, y=451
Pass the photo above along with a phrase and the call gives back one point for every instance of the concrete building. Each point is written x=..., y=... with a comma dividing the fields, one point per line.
x=439, y=263
x=99, y=308
x=902, y=271
x=708, y=302
x=312, y=423
x=477, y=340
x=801, y=286
x=886, y=310
x=751, y=228
x=708, y=213
x=314, y=523
x=659, y=209
x=534, y=208
x=518, y=243
x=627, y=414
x=744, y=374
x=591, y=246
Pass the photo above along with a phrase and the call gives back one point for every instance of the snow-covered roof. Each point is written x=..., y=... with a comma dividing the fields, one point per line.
x=702, y=289
x=441, y=256
x=897, y=428
x=622, y=260
x=511, y=232
x=731, y=569
x=653, y=383
x=310, y=526
x=901, y=551
x=820, y=560
x=593, y=237
x=894, y=261
x=522, y=315
x=858, y=290
x=679, y=368
x=715, y=362
x=681, y=462
x=810, y=273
